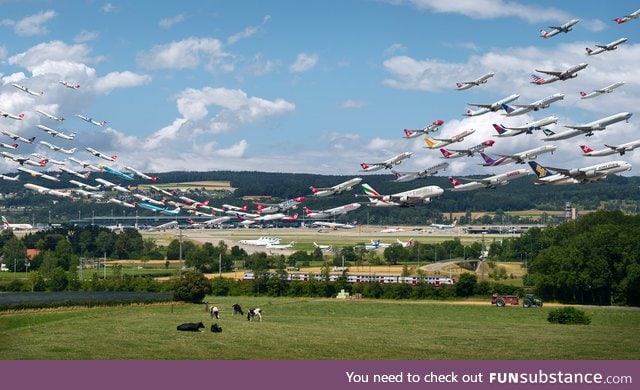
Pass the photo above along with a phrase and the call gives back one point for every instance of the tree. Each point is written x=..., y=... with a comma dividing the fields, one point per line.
x=15, y=254
x=192, y=287
x=466, y=284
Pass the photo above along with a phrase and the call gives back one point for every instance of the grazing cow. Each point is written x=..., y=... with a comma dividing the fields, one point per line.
x=216, y=329
x=254, y=312
x=191, y=327
x=215, y=313
x=237, y=309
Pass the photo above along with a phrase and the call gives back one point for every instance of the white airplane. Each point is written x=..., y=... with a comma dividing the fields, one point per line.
x=57, y=148
x=41, y=157
x=75, y=173
x=608, y=47
x=24, y=160
x=408, y=176
x=101, y=155
x=405, y=244
x=69, y=85
x=293, y=203
x=519, y=157
x=600, y=91
x=10, y=178
x=469, y=152
x=84, y=118
x=535, y=106
x=565, y=28
x=462, y=85
x=161, y=210
x=8, y=146
x=16, y=137
x=433, y=127
x=506, y=131
x=142, y=175
x=392, y=230
x=329, y=213
x=281, y=246
x=338, y=189
x=601, y=124
x=50, y=116
x=38, y=174
x=210, y=222
x=121, y=202
x=563, y=75
x=147, y=199
x=488, y=182
x=333, y=225
x=88, y=194
x=403, y=199
x=16, y=226
x=27, y=90
x=47, y=191
x=588, y=174
x=492, y=107
x=626, y=18
x=5, y=114
x=164, y=226
x=84, y=164
x=111, y=185
x=387, y=164
x=442, y=226
x=432, y=144
x=167, y=193
x=86, y=186
x=56, y=133
x=611, y=149
x=323, y=247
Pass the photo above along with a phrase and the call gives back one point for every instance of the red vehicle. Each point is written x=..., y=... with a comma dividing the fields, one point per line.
x=502, y=300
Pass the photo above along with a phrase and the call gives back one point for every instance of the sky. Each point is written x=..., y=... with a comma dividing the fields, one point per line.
x=307, y=87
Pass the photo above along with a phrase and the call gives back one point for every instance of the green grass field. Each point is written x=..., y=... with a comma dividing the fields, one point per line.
x=319, y=329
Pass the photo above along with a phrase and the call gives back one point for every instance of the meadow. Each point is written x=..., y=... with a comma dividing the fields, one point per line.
x=318, y=329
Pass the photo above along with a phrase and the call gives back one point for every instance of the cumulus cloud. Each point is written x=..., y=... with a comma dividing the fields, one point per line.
x=236, y=151
x=186, y=54
x=247, y=32
x=52, y=51
x=304, y=62
x=491, y=9
x=394, y=49
x=31, y=25
x=126, y=79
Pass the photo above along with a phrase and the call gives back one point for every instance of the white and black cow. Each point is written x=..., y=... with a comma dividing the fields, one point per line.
x=191, y=326
x=215, y=313
x=254, y=312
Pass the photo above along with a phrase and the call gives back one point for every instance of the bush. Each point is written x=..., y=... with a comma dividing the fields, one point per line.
x=569, y=315
x=192, y=287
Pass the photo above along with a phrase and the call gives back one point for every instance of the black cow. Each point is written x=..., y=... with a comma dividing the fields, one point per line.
x=254, y=312
x=237, y=309
x=216, y=329
x=191, y=327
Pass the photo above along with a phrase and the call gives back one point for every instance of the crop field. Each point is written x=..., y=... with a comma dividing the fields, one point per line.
x=319, y=329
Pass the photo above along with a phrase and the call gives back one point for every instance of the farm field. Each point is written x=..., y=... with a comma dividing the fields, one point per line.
x=319, y=329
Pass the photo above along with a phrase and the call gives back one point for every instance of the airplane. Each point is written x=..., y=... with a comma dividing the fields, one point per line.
x=47, y=191
x=600, y=91
x=408, y=176
x=333, y=225
x=565, y=28
x=292, y=218
x=269, y=217
x=431, y=144
x=210, y=222
x=84, y=164
x=387, y=164
x=23, y=160
x=116, y=172
x=55, y=118
x=535, y=106
x=17, y=226
x=469, y=152
x=492, y=107
x=38, y=174
x=462, y=85
x=262, y=241
x=27, y=90
x=84, y=118
x=75, y=173
x=506, y=131
x=69, y=85
x=402, y=199
x=121, y=202
x=608, y=47
x=626, y=18
x=611, y=149
x=328, y=213
x=266, y=208
x=518, y=158
x=602, y=123
x=7, y=146
x=40, y=156
x=88, y=194
x=147, y=199
x=392, y=230
x=159, y=209
x=192, y=202
x=433, y=127
x=593, y=173
x=16, y=137
x=57, y=148
x=142, y=175
x=86, y=186
x=56, y=133
x=109, y=184
x=323, y=247
x=5, y=114
x=563, y=75
x=405, y=244
x=442, y=226
x=164, y=226
x=9, y=178
x=336, y=189
x=101, y=155
x=488, y=182
x=167, y=193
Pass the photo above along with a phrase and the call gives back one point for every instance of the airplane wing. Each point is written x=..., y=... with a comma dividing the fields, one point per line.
x=550, y=72
x=480, y=105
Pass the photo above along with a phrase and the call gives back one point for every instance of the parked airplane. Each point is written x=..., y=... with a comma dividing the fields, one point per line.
x=47, y=191
x=23, y=160
x=56, y=133
x=405, y=244
x=16, y=226
x=142, y=175
x=577, y=175
x=84, y=164
x=337, y=189
x=323, y=247
x=404, y=199
x=433, y=127
x=16, y=137
x=506, y=131
x=281, y=246
x=626, y=18
x=563, y=75
x=84, y=118
x=534, y=106
x=111, y=185
x=408, y=176
x=488, y=182
x=266, y=208
x=432, y=144
x=121, y=202
x=611, y=149
x=10, y=178
x=565, y=28
x=469, y=152
x=5, y=114
x=55, y=118
x=100, y=154
x=27, y=90
x=329, y=213
x=600, y=91
x=333, y=225
x=161, y=210
x=57, y=148
x=519, y=158
x=38, y=174
x=491, y=107
x=462, y=85
x=387, y=164
x=69, y=85
x=442, y=226
x=116, y=172
x=608, y=47
x=85, y=186
x=7, y=146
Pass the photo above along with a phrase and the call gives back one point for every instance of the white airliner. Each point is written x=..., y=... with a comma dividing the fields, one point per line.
x=534, y=106
x=75, y=173
x=333, y=225
x=27, y=90
x=16, y=137
x=558, y=75
x=37, y=174
x=57, y=148
x=88, y=194
x=387, y=164
x=47, y=191
x=322, y=247
x=267, y=208
x=17, y=117
x=50, y=160
x=24, y=160
x=565, y=28
x=56, y=133
x=84, y=118
x=432, y=144
x=84, y=164
x=442, y=226
x=85, y=186
x=588, y=174
x=491, y=107
x=50, y=116
x=69, y=85
x=121, y=202
x=147, y=199
x=404, y=199
x=608, y=47
x=405, y=244
x=433, y=127
x=506, y=131
x=16, y=226
x=589, y=128
x=600, y=91
x=8, y=146
x=488, y=182
x=626, y=18
x=100, y=154
x=338, y=189
x=462, y=85
x=10, y=178
x=610, y=149
x=330, y=213
x=520, y=157
x=401, y=177
x=111, y=185
x=164, y=226
x=469, y=152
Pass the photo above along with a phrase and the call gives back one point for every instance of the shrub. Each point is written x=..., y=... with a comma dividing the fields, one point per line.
x=568, y=315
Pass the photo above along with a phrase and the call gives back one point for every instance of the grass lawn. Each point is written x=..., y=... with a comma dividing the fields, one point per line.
x=319, y=329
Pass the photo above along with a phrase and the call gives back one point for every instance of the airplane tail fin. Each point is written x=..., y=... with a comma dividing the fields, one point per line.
x=31, y=139
x=583, y=94
x=306, y=210
x=454, y=223
x=369, y=191
x=539, y=170
x=86, y=175
x=537, y=79
x=114, y=158
x=72, y=150
x=445, y=153
x=589, y=51
x=42, y=163
x=21, y=116
x=507, y=108
x=544, y=34
x=430, y=143
x=313, y=189
x=459, y=85
x=548, y=132
x=408, y=133
x=364, y=166
x=488, y=160
x=586, y=149
x=454, y=182
x=5, y=222
x=619, y=20
x=499, y=128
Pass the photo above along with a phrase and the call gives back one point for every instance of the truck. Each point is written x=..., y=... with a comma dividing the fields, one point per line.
x=502, y=300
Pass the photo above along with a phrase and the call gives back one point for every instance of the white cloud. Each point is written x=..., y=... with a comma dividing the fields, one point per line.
x=236, y=151
x=350, y=103
x=304, y=62
x=394, y=49
x=170, y=22
x=247, y=32
x=126, y=79
x=186, y=54
x=52, y=51
x=490, y=9
x=108, y=8
x=85, y=36
x=31, y=25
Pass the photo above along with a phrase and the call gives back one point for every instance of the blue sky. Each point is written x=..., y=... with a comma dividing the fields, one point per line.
x=315, y=87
